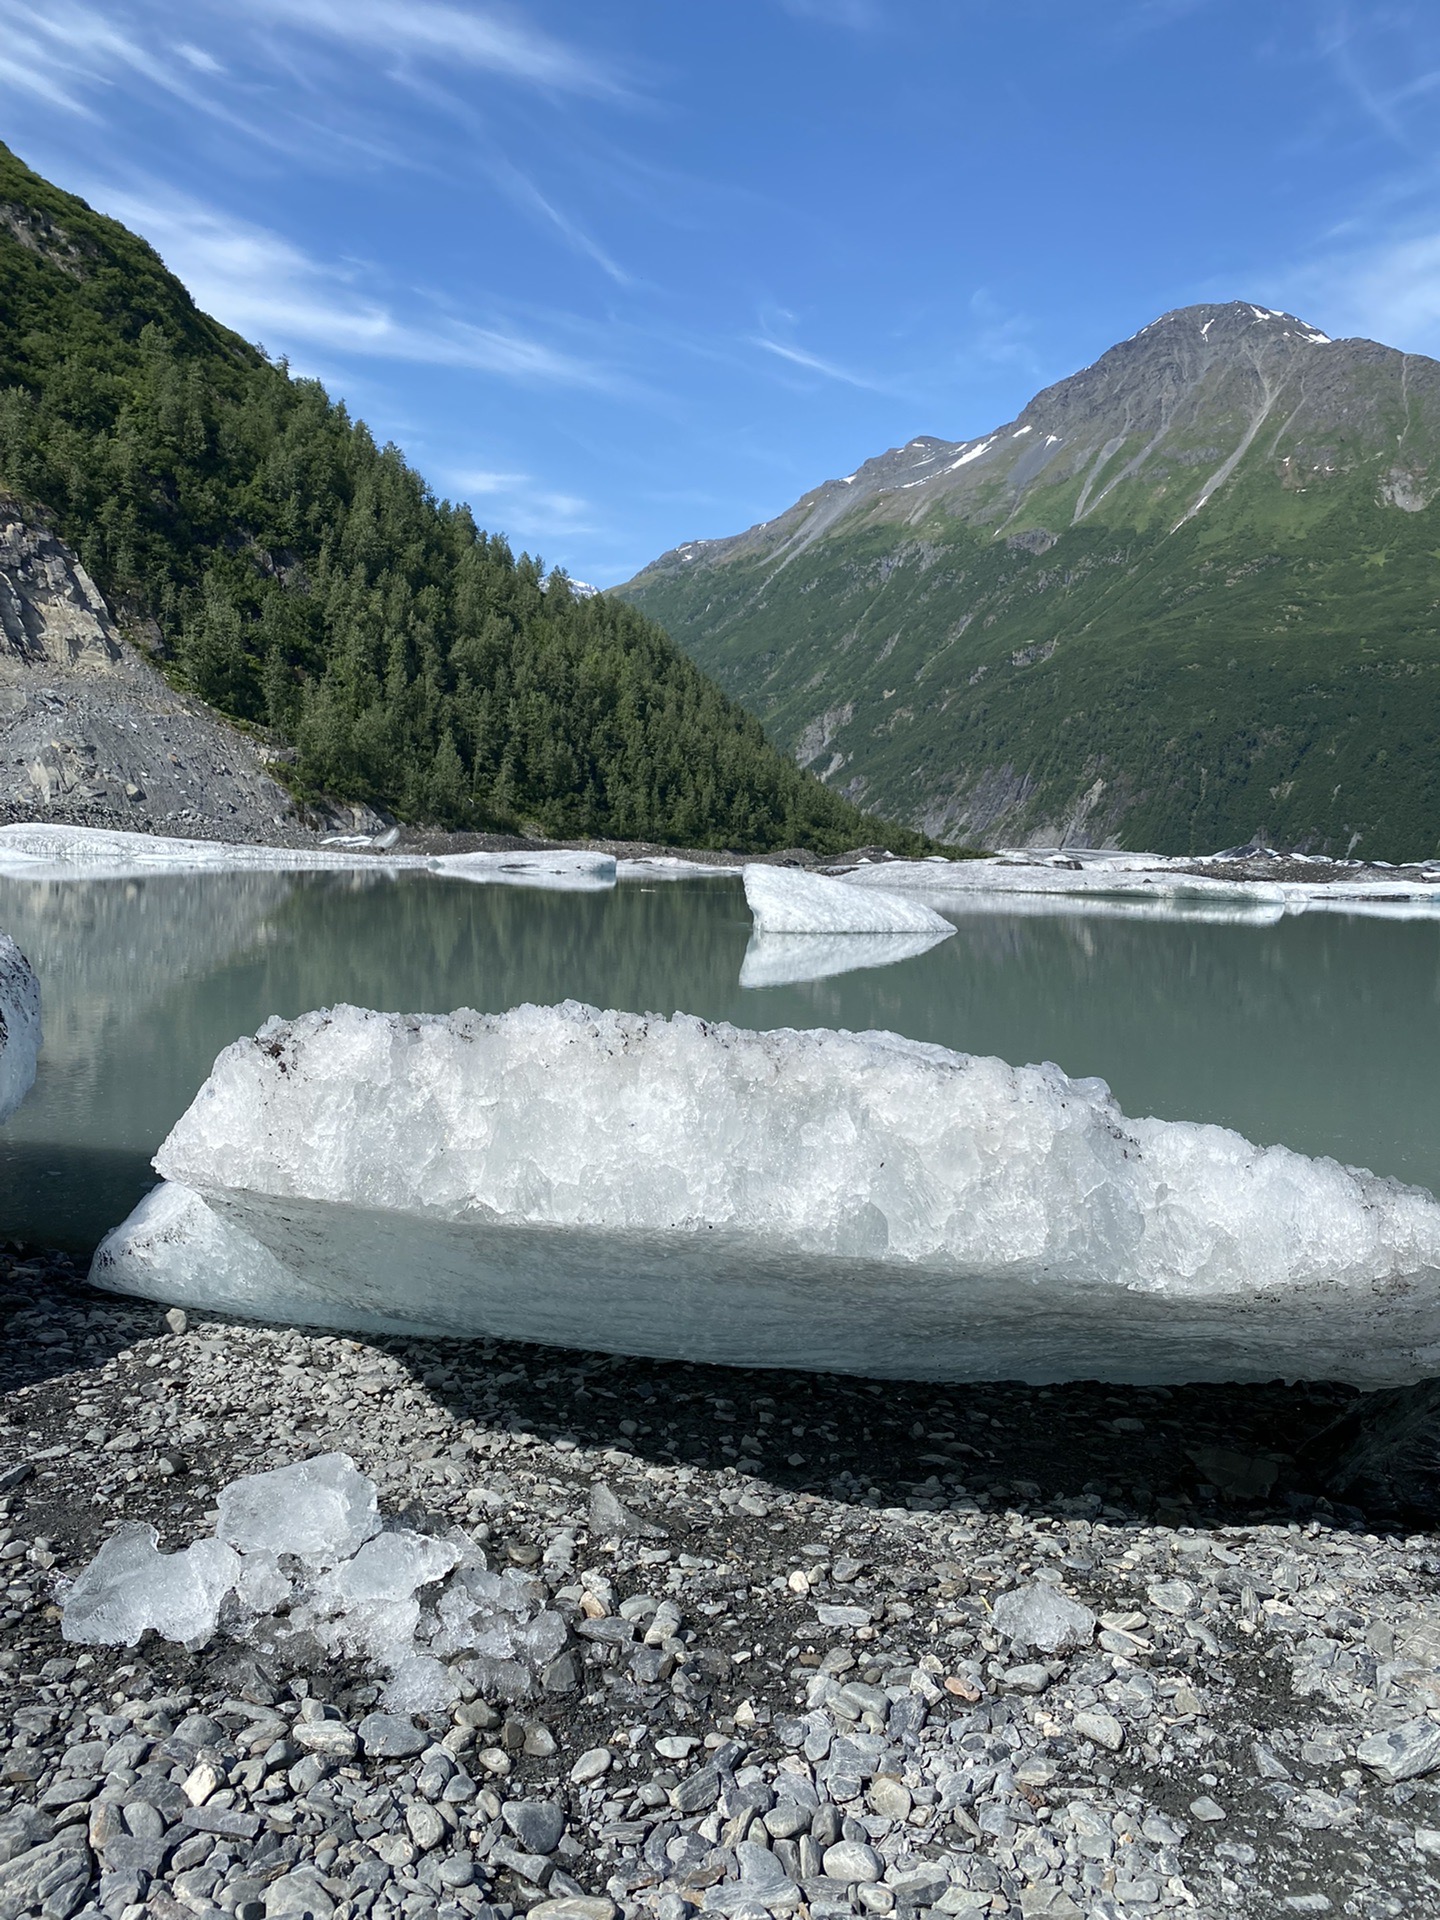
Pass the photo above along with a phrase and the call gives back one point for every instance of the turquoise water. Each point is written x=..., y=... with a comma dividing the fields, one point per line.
x=1320, y=1031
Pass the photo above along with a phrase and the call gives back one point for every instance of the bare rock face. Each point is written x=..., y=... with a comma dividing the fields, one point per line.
x=51, y=613
x=90, y=733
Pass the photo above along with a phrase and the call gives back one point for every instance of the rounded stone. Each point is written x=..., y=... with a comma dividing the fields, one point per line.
x=852, y=1860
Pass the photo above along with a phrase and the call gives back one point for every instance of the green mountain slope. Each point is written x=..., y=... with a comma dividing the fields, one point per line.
x=1191, y=593
x=302, y=579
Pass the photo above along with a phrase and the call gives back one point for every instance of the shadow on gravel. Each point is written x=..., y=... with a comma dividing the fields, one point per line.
x=1199, y=1456
x=52, y=1323
x=1202, y=1456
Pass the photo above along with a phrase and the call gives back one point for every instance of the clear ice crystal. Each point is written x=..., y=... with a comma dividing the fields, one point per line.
x=1037, y=1616
x=130, y=1586
x=322, y=1510
x=343, y=1589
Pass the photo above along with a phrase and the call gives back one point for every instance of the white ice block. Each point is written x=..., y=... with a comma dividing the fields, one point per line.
x=824, y=1200
x=322, y=1510
x=43, y=852
x=786, y=900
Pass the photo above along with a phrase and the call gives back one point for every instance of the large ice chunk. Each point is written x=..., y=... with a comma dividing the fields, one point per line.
x=373, y=1595
x=19, y=1026
x=785, y=900
x=322, y=1509
x=825, y=1200
x=130, y=1586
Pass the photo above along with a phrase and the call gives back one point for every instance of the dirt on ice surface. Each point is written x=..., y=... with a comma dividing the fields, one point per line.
x=833, y=1648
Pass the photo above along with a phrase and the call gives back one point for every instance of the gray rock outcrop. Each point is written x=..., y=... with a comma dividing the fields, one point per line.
x=90, y=732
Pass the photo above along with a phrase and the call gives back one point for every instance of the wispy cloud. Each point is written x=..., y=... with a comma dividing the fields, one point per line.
x=522, y=506
x=813, y=363
x=489, y=39
x=267, y=288
x=63, y=51
x=1001, y=337
x=1389, y=291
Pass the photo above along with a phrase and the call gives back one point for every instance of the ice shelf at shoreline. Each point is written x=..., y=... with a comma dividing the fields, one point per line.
x=787, y=900
x=94, y=853
x=19, y=1026
x=821, y=1200
x=1148, y=877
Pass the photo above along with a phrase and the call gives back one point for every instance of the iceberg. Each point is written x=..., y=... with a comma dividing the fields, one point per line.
x=95, y=853
x=785, y=900
x=19, y=1026
x=788, y=959
x=818, y=1200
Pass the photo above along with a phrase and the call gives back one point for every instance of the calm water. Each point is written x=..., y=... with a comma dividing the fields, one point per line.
x=1320, y=1031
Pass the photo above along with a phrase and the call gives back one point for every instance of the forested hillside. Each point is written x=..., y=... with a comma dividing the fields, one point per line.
x=302, y=579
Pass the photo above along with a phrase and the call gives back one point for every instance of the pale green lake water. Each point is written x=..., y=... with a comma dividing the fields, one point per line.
x=1320, y=1031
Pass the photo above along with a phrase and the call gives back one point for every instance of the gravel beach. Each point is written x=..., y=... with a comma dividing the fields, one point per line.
x=834, y=1648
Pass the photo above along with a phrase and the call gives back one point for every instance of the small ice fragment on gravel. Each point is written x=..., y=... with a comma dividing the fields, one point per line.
x=1038, y=1616
x=609, y=1516
x=375, y=1592
x=321, y=1509
x=130, y=1585
x=421, y=1684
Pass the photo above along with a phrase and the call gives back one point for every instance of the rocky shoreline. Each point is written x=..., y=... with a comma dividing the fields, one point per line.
x=833, y=1647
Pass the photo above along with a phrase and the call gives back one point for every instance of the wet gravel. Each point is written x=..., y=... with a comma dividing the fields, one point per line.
x=814, y=1663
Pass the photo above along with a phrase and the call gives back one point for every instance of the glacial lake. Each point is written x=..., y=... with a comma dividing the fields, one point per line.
x=1319, y=1030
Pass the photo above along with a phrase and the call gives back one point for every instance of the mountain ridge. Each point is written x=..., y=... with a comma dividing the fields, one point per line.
x=1218, y=438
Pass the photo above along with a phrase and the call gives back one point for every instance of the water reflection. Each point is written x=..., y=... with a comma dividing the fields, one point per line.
x=786, y=959
x=1318, y=1030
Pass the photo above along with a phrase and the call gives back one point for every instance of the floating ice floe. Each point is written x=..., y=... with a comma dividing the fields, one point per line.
x=92, y=853
x=665, y=866
x=788, y=959
x=831, y=1201
x=1100, y=875
x=786, y=900
x=303, y=1551
x=19, y=1026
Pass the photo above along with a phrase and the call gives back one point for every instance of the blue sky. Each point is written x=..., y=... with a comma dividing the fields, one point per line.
x=630, y=273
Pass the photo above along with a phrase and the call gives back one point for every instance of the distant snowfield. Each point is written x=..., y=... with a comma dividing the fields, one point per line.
x=821, y=1200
